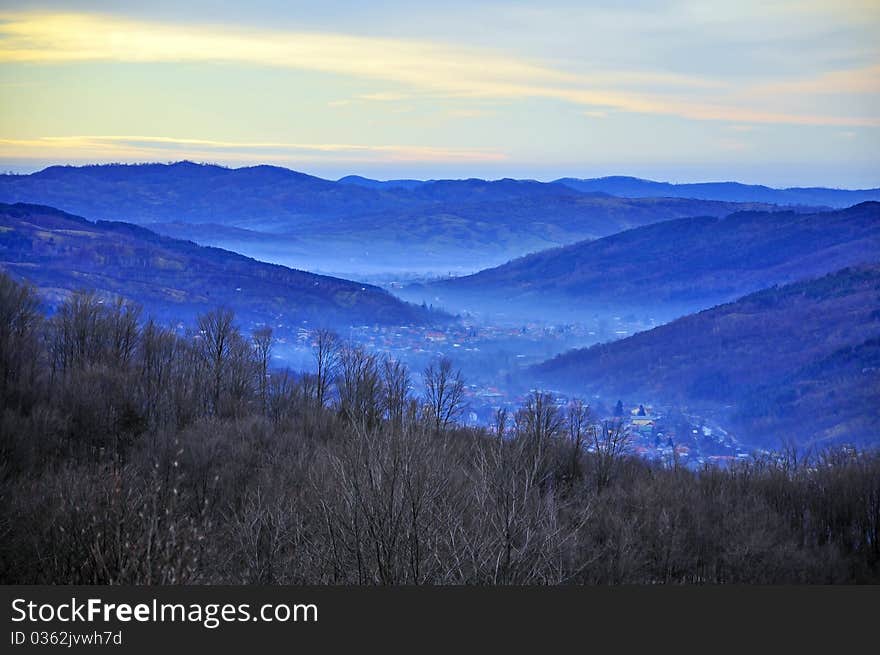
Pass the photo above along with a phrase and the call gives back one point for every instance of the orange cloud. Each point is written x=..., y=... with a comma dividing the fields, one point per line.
x=425, y=67
x=858, y=81
x=157, y=148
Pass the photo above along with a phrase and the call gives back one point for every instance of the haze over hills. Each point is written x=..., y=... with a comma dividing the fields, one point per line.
x=633, y=187
x=350, y=227
x=456, y=236
x=799, y=361
x=674, y=267
x=175, y=279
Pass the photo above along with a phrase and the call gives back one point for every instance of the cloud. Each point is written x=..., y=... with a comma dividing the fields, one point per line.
x=120, y=148
x=379, y=97
x=382, y=97
x=422, y=66
x=858, y=81
x=470, y=113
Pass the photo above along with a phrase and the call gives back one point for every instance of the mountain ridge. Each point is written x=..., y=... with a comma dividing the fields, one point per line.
x=442, y=225
x=633, y=187
x=60, y=253
x=686, y=264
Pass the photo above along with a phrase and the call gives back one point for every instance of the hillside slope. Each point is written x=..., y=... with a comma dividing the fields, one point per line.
x=677, y=266
x=174, y=279
x=438, y=226
x=795, y=362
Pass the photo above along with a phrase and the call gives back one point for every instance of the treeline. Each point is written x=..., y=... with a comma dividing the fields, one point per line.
x=132, y=454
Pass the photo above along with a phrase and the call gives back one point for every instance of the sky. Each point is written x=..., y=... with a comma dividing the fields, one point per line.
x=783, y=93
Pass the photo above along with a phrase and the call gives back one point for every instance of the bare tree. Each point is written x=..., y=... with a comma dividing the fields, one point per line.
x=159, y=355
x=610, y=441
x=242, y=369
x=326, y=355
x=539, y=420
x=444, y=393
x=396, y=386
x=123, y=332
x=76, y=334
x=19, y=344
x=500, y=423
x=359, y=386
x=262, y=341
x=215, y=339
x=538, y=423
x=578, y=427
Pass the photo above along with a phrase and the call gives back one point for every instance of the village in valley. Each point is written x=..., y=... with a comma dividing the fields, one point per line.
x=492, y=359
x=669, y=436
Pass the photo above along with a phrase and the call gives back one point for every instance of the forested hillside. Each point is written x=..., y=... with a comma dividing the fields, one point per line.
x=175, y=280
x=132, y=455
x=676, y=266
x=793, y=363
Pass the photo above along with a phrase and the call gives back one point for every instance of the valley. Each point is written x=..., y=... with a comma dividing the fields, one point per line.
x=567, y=319
x=528, y=295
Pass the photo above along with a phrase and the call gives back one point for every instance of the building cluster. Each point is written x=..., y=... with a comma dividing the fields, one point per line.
x=673, y=437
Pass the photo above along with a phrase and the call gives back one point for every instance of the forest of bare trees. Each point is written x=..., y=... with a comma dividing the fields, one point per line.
x=131, y=453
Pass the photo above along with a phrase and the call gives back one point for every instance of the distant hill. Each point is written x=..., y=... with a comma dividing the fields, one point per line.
x=678, y=266
x=799, y=362
x=633, y=187
x=174, y=279
x=348, y=227
x=257, y=197
x=366, y=182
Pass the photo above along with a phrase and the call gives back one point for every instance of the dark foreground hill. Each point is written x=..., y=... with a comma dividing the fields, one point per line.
x=133, y=455
x=799, y=362
x=173, y=279
x=633, y=187
x=675, y=267
x=436, y=226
